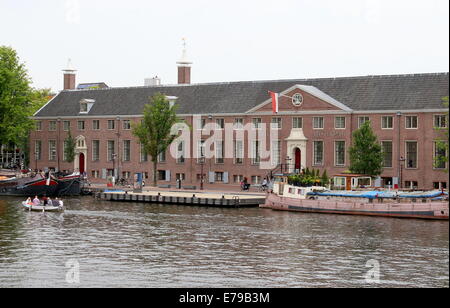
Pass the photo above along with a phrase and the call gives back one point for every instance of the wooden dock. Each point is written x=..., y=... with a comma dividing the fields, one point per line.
x=226, y=200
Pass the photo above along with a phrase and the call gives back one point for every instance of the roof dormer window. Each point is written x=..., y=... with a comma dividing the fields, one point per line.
x=86, y=105
x=172, y=100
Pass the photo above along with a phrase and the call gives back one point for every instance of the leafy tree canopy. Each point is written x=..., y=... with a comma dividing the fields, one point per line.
x=18, y=100
x=154, y=132
x=366, y=156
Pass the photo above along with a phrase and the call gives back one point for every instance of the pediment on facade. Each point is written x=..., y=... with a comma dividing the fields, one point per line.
x=302, y=98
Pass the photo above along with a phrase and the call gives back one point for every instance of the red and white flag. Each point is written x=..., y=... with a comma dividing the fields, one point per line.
x=275, y=98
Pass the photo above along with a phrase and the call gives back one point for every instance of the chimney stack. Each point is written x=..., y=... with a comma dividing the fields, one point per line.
x=69, y=76
x=184, y=67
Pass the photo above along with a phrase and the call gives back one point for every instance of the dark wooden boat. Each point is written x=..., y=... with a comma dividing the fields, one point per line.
x=28, y=186
x=39, y=185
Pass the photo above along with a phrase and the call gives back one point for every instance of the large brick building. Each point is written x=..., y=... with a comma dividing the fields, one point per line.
x=313, y=128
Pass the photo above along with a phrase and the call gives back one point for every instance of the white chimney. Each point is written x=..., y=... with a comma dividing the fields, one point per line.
x=152, y=82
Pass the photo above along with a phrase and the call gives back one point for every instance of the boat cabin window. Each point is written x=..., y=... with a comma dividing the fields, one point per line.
x=301, y=191
x=361, y=182
x=339, y=181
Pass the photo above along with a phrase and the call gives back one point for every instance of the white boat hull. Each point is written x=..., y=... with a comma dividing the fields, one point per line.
x=42, y=208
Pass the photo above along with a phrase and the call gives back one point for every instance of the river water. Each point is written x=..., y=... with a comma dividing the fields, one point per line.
x=104, y=244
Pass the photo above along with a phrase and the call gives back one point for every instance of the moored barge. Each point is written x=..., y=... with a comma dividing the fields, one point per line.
x=423, y=205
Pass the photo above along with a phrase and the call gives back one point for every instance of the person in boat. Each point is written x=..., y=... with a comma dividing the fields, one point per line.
x=245, y=185
x=36, y=201
x=49, y=202
x=264, y=184
x=29, y=201
x=45, y=200
x=56, y=202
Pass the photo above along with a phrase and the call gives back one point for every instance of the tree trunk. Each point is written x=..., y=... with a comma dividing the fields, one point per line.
x=155, y=173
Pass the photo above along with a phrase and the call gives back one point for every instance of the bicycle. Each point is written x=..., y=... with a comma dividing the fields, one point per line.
x=123, y=182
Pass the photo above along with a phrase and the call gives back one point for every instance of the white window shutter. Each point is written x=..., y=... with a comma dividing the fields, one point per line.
x=225, y=177
x=211, y=177
x=167, y=175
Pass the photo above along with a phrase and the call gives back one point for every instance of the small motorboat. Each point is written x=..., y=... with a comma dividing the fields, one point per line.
x=42, y=208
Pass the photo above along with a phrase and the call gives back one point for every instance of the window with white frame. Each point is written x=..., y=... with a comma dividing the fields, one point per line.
x=411, y=154
x=220, y=123
x=386, y=147
x=237, y=178
x=238, y=152
x=318, y=123
x=256, y=179
x=162, y=157
x=38, y=150
x=110, y=150
x=111, y=124
x=440, y=121
x=81, y=125
x=201, y=150
x=95, y=150
x=38, y=126
x=297, y=122
x=218, y=176
x=276, y=123
x=52, y=150
x=276, y=152
x=411, y=122
x=65, y=145
x=126, y=124
x=83, y=107
x=339, y=122
x=96, y=124
x=180, y=152
x=257, y=123
x=238, y=123
x=256, y=159
x=126, y=150
x=440, y=154
x=318, y=153
x=339, y=157
x=52, y=126
x=66, y=126
x=201, y=123
x=387, y=122
x=219, y=152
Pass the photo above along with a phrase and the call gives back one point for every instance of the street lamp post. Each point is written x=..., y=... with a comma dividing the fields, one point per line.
x=114, y=167
x=401, y=160
x=202, y=163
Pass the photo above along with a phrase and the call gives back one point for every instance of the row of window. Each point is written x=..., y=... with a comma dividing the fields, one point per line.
x=387, y=122
x=81, y=125
x=410, y=159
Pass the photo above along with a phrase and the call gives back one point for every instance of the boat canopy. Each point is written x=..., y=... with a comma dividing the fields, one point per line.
x=380, y=194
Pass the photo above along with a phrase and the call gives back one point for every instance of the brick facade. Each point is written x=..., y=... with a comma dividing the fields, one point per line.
x=330, y=129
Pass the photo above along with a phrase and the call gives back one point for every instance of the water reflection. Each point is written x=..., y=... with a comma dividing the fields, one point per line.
x=142, y=245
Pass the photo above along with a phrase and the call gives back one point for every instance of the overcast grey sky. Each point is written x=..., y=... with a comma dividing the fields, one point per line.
x=123, y=42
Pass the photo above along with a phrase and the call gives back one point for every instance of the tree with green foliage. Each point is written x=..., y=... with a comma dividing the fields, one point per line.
x=366, y=155
x=154, y=131
x=69, y=149
x=18, y=100
x=442, y=144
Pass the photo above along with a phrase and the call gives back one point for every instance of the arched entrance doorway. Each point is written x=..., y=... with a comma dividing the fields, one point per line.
x=298, y=159
x=81, y=163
